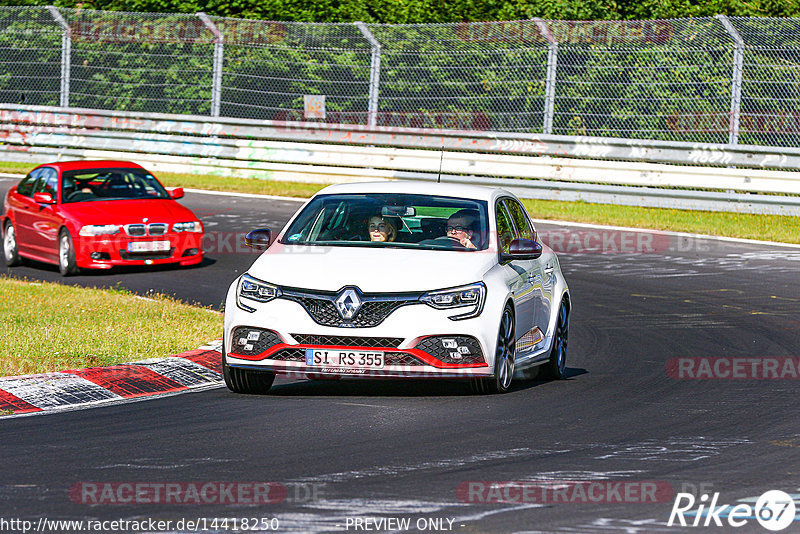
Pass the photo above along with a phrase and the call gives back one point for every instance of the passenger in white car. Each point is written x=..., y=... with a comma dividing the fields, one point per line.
x=381, y=229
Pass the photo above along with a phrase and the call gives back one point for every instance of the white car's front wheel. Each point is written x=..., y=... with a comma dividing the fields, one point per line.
x=244, y=380
x=505, y=354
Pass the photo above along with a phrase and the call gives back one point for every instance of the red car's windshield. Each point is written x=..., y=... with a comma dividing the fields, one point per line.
x=88, y=185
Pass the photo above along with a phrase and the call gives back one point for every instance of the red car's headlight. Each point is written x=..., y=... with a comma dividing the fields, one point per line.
x=99, y=229
x=193, y=226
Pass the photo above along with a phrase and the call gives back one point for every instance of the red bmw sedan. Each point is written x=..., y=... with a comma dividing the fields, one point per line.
x=97, y=215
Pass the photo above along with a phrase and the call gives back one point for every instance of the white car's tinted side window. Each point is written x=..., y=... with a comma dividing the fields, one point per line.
x=521, y=222
x=505, y=229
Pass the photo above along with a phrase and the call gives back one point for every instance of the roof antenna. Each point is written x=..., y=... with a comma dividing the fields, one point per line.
x=441, y=157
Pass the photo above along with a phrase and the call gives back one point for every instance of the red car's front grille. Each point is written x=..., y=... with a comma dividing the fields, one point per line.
x=140, y=230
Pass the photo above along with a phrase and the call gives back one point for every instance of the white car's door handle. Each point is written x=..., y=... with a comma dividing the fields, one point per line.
x=549, y=269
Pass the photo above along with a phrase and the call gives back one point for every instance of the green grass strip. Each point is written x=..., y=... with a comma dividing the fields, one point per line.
x=53, y=327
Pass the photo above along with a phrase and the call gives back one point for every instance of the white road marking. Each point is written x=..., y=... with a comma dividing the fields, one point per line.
x=243, y=195
x=393, y=470
x=359, y=404
x=482, y=515
x=672, y=450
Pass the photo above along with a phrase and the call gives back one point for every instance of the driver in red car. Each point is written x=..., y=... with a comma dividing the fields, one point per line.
x=461, y=226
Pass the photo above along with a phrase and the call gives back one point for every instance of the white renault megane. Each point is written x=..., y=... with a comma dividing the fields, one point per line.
x=399, y=280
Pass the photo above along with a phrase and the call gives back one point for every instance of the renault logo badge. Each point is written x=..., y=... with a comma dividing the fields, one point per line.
x=348, y=303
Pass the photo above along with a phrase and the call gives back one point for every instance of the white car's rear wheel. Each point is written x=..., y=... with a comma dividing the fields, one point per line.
x=556, y=367
x=10, y=252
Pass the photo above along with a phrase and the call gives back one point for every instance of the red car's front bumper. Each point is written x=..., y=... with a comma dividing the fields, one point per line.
x=104, y=252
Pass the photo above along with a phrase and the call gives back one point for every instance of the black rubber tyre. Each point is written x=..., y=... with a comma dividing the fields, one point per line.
x=556, y=367
x=505, y=353
x=10, y=251
x=245, y=380
x=66, y=254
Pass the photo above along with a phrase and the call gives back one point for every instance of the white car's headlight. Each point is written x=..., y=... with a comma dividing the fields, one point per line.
x=254, y=289
x=99, y=229
x=472, y=296
x=193, y=226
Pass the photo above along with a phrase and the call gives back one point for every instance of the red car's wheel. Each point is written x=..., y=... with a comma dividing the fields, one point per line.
x=10, y=252
x=66, y=254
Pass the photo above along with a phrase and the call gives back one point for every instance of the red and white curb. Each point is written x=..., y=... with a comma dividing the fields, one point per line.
x=197, y=369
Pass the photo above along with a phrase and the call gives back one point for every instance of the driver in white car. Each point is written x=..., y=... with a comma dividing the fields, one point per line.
x=461, y=226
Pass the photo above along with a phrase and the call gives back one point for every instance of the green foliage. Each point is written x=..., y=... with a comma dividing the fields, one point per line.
x=652, y=79
x=427, y=11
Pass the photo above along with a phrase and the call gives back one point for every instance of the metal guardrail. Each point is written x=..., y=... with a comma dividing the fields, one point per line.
x=534, y=166
x=699, y=79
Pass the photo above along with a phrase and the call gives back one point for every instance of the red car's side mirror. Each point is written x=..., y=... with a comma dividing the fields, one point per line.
x=176, y=193
x=43, y=198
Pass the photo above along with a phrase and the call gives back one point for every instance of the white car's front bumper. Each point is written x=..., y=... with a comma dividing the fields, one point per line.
x=413, y=338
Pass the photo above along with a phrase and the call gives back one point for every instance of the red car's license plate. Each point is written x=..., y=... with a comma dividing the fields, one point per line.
x=148, y=246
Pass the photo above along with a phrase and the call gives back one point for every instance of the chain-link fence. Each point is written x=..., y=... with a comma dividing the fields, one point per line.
x=715, y=80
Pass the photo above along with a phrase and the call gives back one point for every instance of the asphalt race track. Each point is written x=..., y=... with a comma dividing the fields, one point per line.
x=629, y=419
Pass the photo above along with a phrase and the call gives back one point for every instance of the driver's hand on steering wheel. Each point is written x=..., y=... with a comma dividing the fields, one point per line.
x=466, y=241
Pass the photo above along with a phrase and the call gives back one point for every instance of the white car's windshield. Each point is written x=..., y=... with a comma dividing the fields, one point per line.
x=393, y=220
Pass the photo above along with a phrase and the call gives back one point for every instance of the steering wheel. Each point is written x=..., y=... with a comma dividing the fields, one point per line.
x=444, y=240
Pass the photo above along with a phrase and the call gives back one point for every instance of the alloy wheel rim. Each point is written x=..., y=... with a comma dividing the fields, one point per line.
x=64, y=256
x=561, y=347
x=505, y=351
x=10, y=243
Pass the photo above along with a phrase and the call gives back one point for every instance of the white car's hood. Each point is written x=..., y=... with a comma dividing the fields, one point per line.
x=371, y=269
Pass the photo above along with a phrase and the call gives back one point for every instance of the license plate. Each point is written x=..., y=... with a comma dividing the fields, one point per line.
x=344, y=359
x=148, y=246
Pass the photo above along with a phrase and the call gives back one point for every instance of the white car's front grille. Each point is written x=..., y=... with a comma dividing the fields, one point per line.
x=348, y=341
x=374, y=309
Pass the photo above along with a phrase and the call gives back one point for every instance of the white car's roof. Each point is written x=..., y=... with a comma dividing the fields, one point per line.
x=475, y=192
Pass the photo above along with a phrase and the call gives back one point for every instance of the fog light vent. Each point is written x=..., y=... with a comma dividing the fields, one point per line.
x=453, y=349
